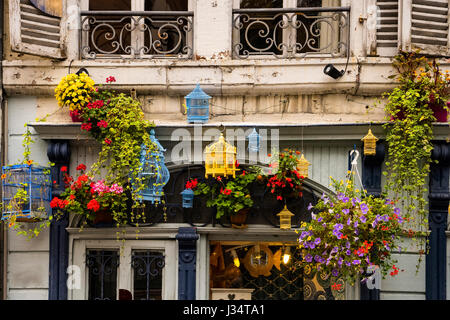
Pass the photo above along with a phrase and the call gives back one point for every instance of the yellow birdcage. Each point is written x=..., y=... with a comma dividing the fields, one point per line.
x=220, y=159
x=302, y=166
x=370, y=144
x=285, y=218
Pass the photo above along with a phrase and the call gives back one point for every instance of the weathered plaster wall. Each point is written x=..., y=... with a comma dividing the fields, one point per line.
x=28, y=261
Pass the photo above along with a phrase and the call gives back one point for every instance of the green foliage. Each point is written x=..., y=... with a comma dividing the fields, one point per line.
x=117, y=121
x=409, y=133
x=228, y=195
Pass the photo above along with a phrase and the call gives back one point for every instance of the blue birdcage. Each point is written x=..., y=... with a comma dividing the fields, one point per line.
x=154, y=174
x=197, y=104
x=27, y=192
x=188, y=198
x=254, y=141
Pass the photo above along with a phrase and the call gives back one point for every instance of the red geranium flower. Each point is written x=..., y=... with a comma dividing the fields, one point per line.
x=102, y=124
x=110, y=79
x=93, y=205
x=107, y=141
x=81, y=167
x=63, y=169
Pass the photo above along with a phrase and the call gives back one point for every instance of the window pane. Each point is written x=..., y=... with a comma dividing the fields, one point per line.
x=110, y=5
x=166, y=5
x=110, y=34
x=102, y=274
x=309, y=3
x=247, y=4
x=318, y=32
x=147, y=279
x=262, y=32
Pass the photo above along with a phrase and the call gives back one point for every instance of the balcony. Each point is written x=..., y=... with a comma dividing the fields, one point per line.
x=136, y=35
x=291, y=32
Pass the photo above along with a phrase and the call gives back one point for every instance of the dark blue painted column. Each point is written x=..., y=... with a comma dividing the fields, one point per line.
x=187, y=256
x=439, y=195
x=58, y=152
x=371, y=179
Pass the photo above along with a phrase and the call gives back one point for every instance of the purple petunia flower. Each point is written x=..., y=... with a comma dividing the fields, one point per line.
x=397, y=211
x=317, y=241
x=346, y=211
x=345, y=199
x=340, y=196
x=356, y=262
x=337, y=216
x=349, y=221
x=348, y=252
x=363, y=219
x=320, y=219
x=364, y=208
x=340, y=260
x=308, y=258
x=310, y=206
x=335, y=272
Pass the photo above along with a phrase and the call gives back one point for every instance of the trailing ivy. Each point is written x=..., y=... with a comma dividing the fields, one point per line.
x=409, y=136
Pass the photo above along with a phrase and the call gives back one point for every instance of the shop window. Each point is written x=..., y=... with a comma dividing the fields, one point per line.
x=259, y=271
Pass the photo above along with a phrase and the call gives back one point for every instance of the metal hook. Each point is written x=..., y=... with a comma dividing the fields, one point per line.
x=354, y=161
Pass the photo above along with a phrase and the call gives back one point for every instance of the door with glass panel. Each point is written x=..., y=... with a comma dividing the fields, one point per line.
x=140, y=270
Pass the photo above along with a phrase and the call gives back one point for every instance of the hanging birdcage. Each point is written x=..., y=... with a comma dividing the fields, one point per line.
x=254, y=140
x=302, y=166
x=197, y=105
x=188, y=198
x=220, y=159
x=370, y=144
x=27, y=192
x=285, y=218
x=154, y=174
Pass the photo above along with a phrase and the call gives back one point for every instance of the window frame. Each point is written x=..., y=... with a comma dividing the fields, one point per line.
x=125, y=272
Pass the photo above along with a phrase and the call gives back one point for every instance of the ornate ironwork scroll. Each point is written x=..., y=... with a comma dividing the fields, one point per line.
x=102, y=274
x=148, y=265
x=130, y=34
x=291, y=33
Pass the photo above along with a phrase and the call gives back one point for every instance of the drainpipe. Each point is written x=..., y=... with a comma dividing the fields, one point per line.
x=3, y=233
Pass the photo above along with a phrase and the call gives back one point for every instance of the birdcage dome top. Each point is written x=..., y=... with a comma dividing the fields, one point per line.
x=197, y=93
x=220, y=145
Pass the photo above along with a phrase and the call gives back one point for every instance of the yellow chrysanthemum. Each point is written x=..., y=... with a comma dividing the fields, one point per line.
x=73, y=91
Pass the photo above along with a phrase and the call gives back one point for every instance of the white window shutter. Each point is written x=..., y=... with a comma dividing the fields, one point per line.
x=387, y=27
x=34, y=31
x=427, y=26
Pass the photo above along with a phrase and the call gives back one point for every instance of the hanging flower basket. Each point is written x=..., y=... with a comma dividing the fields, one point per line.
x=349, y=232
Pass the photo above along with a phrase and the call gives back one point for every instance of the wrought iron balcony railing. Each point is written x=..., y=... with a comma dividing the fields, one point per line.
x=291, y=32
x=133, y=34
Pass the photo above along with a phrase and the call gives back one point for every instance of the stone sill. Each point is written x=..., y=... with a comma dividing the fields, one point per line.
x=287, y=132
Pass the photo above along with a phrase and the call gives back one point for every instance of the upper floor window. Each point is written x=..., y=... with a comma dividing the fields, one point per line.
x=290, y=28
x=136, y=29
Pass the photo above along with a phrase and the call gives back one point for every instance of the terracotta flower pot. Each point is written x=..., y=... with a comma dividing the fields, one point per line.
x=238, y=220
x=103, y=218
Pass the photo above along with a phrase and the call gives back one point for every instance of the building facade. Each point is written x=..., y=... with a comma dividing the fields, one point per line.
x=272, y=80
